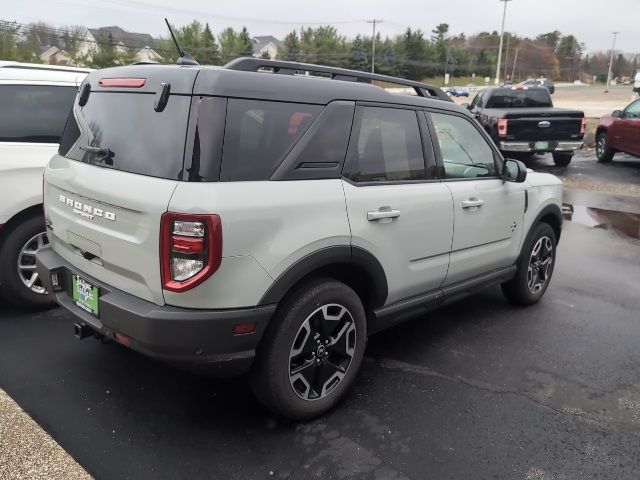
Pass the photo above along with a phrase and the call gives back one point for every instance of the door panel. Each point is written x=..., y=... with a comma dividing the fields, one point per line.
x=413, y=246
x=405, y=221
x=486, y=236
x=488, y=212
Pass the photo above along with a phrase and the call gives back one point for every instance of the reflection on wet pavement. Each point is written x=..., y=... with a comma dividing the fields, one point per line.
x=622, y=223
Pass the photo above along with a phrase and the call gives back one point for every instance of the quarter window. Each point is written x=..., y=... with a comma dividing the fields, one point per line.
x=388, y=146
x=34, y=113
x=465, y=152
x=259, y=134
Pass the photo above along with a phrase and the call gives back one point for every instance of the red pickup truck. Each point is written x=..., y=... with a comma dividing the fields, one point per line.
x=619, y=132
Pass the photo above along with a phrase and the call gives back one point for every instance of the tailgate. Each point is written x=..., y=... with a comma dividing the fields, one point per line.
x=556, y=127
x=107, y=223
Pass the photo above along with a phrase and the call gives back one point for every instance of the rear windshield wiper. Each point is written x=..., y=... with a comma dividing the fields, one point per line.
x=103, y=155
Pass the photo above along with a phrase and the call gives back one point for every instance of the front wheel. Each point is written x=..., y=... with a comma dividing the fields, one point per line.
x=19, y=280
x=562, y=159
x=311, y=351
x=534, y=267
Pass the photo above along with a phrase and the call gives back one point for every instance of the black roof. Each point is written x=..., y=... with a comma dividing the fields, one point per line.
x=229, y=82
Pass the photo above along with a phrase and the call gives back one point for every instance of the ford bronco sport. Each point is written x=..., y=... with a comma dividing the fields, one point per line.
x=267, y=216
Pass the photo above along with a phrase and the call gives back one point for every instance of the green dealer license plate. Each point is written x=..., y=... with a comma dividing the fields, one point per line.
x=540, y=145
x=85, y=295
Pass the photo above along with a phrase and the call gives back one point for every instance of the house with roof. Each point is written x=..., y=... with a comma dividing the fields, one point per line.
x=139, y=43
x=266, y=45
x=53, y=55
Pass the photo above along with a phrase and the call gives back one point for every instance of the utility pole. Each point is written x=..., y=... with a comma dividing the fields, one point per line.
x=504, y=14
x=613, y=49
x=506, y=57
x=515, y=62
x=373, y=44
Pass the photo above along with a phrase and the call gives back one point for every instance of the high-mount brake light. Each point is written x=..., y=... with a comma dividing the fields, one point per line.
x=122, y=82
x=503, y=125
x=190, y=249
x=583, y=125
x=519, y=87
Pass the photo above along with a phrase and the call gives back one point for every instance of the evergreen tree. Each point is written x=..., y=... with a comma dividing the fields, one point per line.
x=210, y=50
x=291, y=50
x=358, y=55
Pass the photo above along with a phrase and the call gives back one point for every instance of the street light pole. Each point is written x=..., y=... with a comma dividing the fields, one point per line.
x=613, y=49
x=504, y=14
x=373, y=43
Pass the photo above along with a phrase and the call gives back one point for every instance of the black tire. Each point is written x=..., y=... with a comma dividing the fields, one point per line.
x=518, y=290
x=271, y=377
x=11, y=286
x=603, y=151
x=562, y=159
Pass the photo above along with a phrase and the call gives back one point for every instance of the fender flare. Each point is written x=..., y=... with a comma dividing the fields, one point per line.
x=551, y=209
x=327, y=257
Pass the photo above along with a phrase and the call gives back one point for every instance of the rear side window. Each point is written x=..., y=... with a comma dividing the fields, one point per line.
x=259, y=134
x=34, y=113
x=122, y=131
x=531, y=98
x=388, y=146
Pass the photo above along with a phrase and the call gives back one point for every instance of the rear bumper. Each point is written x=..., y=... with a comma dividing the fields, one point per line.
x=554, y=146
x=200, y=340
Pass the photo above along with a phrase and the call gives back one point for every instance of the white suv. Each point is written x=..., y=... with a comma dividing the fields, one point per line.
x=250, y=218
x=35, y=101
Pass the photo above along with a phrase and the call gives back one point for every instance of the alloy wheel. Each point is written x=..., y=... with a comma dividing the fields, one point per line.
x=540, y=264
x=27, y=263
x=322, y=351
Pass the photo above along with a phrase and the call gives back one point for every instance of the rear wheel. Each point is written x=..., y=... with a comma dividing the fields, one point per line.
x=311, y=351
x=562, y=159
x=534, y=267
x=19, y=280
x=603, y=151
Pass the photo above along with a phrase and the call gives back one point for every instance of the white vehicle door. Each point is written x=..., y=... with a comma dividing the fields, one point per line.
x=488, y=212
x=397, y=208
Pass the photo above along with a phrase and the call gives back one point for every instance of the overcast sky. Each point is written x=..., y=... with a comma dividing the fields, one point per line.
x=592, y=21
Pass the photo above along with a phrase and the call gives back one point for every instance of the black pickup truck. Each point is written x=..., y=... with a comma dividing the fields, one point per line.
x=522, y=121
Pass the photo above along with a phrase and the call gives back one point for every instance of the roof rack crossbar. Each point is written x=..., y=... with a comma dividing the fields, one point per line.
x=251, y=64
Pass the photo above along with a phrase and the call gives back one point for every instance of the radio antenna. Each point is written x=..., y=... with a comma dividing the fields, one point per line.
x=184, y=58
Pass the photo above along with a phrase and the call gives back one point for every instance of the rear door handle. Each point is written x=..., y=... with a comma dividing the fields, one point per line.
x=472, y=202
x=383, y=214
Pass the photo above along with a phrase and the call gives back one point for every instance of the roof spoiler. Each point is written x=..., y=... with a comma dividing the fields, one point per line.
x=251, y=64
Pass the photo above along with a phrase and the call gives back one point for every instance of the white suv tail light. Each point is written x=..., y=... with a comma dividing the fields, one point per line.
x=190, y=249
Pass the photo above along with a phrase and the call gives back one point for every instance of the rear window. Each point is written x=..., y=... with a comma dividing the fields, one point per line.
x=34, y=113
x=532, y=98
x=123, y=131
x=259, y=134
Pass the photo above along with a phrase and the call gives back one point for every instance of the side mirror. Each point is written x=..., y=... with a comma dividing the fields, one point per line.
x=617, y=113
x=466, y=105
x=514, y=171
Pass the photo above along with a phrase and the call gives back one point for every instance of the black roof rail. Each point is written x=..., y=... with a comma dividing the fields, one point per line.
x=251, y=64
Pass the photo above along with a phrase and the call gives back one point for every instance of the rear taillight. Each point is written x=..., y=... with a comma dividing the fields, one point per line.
x=503, y=123
x=190, y=249
x=583, y=125
x=122, y=82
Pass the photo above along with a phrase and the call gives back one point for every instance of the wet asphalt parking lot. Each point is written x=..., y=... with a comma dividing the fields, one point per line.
x=478, y=390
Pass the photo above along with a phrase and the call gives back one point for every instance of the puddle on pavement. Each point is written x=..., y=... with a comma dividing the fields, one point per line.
x=623, y=223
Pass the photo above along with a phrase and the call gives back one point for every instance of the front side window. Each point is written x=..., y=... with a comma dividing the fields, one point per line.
x=388, y=146
x=477, y=99
x=465, y=152
x=633, y=110
x=259, y=134
x=34, y=113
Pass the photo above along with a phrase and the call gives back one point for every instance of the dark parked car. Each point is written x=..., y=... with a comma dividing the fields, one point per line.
x=458, y=92
x=522, y=121
x=539, y=82
x=619, y=132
